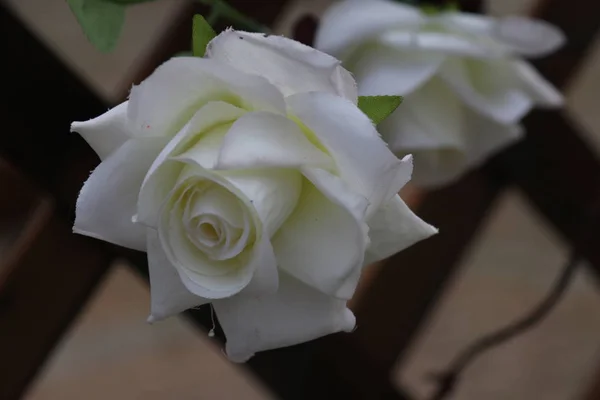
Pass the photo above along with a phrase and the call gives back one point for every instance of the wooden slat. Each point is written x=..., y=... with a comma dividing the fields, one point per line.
x=19, y=204
x=594, y=391
x=47, y=289
x=556, y=170
x=578, y=19
x=391, y=311
x=49, y=273
x=474, y=6
x=560, y=176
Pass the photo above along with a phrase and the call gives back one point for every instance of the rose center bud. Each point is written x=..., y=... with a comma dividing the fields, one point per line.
x=215, y=221
x=209, y=232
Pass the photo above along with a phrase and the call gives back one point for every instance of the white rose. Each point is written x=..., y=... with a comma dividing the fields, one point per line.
x=263, y=196
x=466, y=87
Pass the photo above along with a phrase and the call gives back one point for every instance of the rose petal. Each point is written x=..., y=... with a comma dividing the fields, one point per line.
x=430, y=118
x=200, y=274
x=324, y=239
x=265, y=280
x=536, y=86
x=163, y=103
x=363, y=159
x=475, y=24
x=438, y=143
x=442, y=43
x=213, y=206
x=530, y=37
x=487, y=88
x=348, y=23
x=485, y=137
x=393, y=228
x=295, y=314
x=199, y=131
x=518, y=34
x=262, y=139
x=168, y=294
x=273, y=193
x=477, y=28
x=290, y=65
x=107, y=132
x=107, y=201
x=258, y=262
x=384, y=71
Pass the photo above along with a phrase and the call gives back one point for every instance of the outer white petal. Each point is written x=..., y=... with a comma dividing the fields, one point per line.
x=487, y=88
x=518, y=34
x=262, y=139
x=290, y=65
x=363, y=159
x=324, y=240
x=486, y=137
x=351, y=22
x=441, y=43
x=430, y=118
x=393, y=228
x=163, y=103
x=107, y=201
x=168, y=294
x=430, y=126
x=381, y=70
x=163, y=174
x=530, y=37
x=475, y=24
x=539, y=89
x=295, y=314
x=479, y=29
x=482, y=138
x=107, y=132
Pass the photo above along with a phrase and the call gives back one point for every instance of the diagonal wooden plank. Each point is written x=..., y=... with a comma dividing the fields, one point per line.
x=408, y=285
x=578, y=19
x=554, y=167
x=560, y=177
x=48, y=275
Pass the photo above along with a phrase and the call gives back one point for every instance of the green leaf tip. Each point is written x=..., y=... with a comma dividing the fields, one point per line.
x=100, y=20
x=202, y=34
x=378, y=108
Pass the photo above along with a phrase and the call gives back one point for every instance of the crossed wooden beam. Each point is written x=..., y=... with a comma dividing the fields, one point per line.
x=552, y=166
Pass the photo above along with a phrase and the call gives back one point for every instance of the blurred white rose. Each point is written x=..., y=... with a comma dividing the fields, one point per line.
x=466, y=87
x=265, y=195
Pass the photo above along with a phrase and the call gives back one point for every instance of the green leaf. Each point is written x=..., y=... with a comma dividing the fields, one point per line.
x=202, y=33
x=101, y=21
x=220, y=9
x=378, y=108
